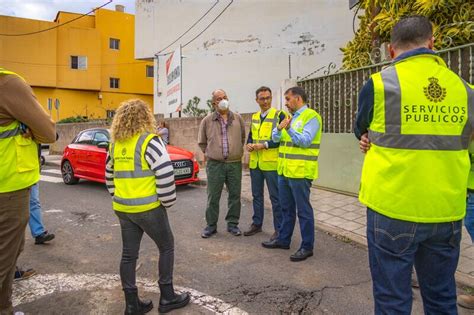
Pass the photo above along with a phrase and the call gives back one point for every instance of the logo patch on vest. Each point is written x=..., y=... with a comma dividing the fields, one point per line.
x=124, y=151
x=434, y=92
x=298, y=125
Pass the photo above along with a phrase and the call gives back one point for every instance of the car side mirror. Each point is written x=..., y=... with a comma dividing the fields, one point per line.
x=103, y=145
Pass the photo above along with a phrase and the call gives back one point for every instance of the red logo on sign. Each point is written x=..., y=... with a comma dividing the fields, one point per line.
x=168, y=63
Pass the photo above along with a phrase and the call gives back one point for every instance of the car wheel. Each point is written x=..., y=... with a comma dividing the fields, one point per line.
x=68, y=174
x=42, y=160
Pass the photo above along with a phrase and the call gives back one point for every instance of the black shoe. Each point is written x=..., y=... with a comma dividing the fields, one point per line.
x=301, y=254
x=133, y=305
x=208, y=231
x=274, y=244
x=169, y=300
x=43, y=238
x=254, y=229
x=234, y=230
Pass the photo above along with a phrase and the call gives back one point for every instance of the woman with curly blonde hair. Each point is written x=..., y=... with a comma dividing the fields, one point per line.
x=140, y=178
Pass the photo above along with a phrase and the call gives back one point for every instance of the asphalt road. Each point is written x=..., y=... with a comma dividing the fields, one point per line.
x=236, y=270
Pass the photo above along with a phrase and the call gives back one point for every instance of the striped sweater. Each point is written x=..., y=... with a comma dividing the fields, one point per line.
x=159, y=162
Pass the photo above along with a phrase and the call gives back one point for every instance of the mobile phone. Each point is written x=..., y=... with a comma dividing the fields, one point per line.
x=23, y=128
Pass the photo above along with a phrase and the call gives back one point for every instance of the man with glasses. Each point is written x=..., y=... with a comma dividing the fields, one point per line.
x=299, y=138
x=263, y=160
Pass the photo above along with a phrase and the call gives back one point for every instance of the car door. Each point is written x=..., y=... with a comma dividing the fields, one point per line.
x=98, y=155
x=81, y=147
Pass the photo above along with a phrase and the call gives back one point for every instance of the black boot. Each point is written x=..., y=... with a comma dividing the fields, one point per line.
x=169, y=300
x=133, y=305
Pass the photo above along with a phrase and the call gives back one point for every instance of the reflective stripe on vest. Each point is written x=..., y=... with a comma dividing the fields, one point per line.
x=135, y=190
x=10, y=133
x=295, y=161
x=298, y=157
x=291, y=144
x=19, y=168
x=266, y=159
x=417, y=167
x=136, y=201
x=393, y=138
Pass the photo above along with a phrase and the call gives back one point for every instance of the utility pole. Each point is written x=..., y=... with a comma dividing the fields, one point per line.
x=56, y=105
x=181, y=77
x=289, y=66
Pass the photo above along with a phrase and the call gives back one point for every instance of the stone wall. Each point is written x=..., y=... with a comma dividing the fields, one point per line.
x=184, y=134
x=340, y=160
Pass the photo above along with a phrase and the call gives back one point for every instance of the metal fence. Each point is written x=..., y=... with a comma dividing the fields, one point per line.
x=334, y=96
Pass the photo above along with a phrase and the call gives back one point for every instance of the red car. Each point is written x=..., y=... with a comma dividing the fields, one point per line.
x=85, y=158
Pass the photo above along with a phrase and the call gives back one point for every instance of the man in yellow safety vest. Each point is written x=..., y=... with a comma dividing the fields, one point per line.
x=414, y=122
x=298, y=153
x=23, y=123
x=263, y=160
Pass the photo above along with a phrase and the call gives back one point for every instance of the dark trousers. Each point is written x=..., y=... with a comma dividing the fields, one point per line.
x=396, y=246
x=218, y=174
x=155, y=224
x=14, y=215
x=258, y=178
x=294, y=200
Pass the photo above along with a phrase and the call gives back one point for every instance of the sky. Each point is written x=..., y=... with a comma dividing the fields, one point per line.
x=47, y=9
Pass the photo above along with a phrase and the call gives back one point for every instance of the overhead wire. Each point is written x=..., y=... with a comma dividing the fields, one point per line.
x=200, y=33
x=191, y=27
x=59, y=25
x=209, y=25
x=67, y=65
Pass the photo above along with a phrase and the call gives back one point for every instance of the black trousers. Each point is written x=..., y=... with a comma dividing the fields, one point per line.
x=156, y=225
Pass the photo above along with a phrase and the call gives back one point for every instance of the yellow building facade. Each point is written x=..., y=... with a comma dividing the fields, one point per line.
x=87, y=65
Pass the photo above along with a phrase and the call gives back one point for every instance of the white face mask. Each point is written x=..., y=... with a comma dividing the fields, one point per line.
x=223, y=105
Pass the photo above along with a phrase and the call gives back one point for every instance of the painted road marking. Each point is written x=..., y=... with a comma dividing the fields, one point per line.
x=29, y=290
x=51, y=171
x=51, y=179
x=54, y=211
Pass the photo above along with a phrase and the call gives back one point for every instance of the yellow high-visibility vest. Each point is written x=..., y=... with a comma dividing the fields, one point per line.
x=418, y=164
x=19, y=168
x=266, y=159
x=470, y=181
x=135, y=184
x=295, y=161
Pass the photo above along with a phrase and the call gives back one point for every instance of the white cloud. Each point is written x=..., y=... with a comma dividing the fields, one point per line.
x=47, y=9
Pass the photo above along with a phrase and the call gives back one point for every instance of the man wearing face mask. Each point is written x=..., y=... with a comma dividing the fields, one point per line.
x=221, y=138
x=299, y=138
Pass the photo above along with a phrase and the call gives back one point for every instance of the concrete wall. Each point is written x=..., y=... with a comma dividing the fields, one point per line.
x=340, y=161
x=248, y=46
x=184, y=134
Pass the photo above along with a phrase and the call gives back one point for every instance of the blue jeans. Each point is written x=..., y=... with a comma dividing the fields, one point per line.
x=294, y=199
x=258, y=177
x=395, y=246
x=469, y=219
x=36, y=220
